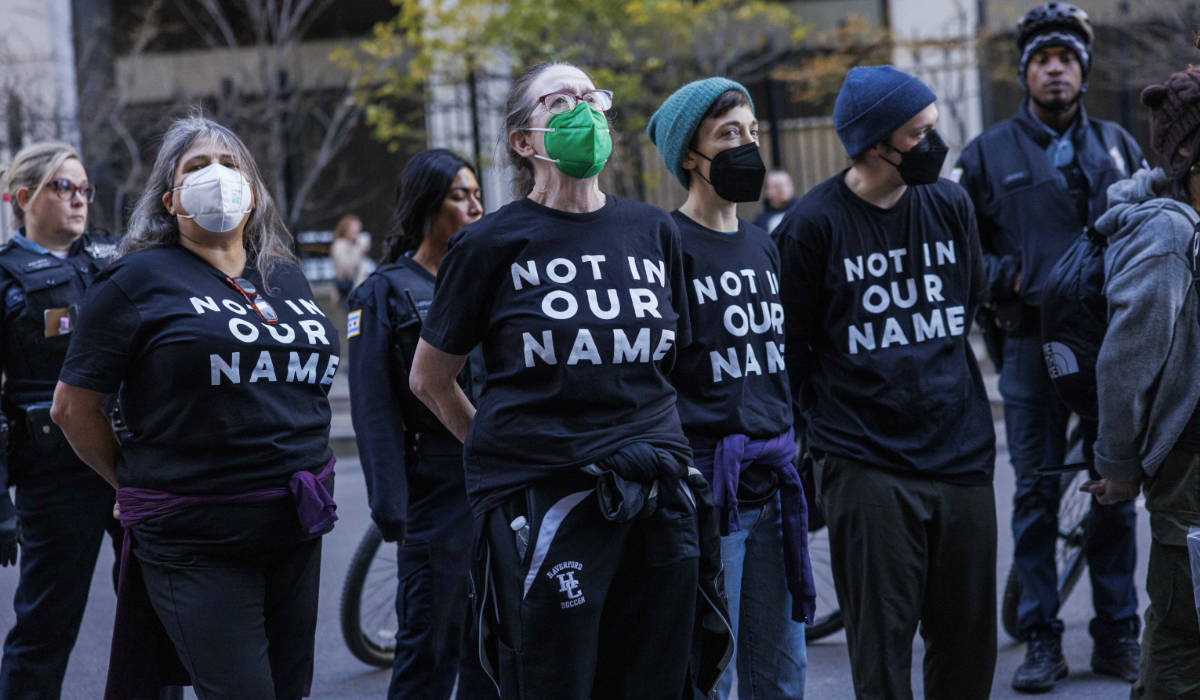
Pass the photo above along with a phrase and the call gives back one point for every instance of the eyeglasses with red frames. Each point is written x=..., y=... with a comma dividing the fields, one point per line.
x=65, y=189
x=562, y=101
x=262, y=307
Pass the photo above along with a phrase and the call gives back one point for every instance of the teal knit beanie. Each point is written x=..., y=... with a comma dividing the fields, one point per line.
x=672, y=126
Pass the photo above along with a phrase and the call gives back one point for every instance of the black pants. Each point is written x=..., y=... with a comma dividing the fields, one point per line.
x=242, y=631
x=434, y=640
x=907, y=551
x=1170, y=665
x=594, y=609
x=63, y=521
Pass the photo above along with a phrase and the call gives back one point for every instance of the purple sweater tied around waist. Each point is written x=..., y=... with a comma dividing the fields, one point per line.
x=143, y=659
x=722, y=463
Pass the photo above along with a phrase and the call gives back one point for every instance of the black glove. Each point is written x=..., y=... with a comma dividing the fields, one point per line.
x=10, y=531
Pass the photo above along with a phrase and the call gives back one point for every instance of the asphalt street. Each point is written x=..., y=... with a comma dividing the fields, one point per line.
x=339, y=675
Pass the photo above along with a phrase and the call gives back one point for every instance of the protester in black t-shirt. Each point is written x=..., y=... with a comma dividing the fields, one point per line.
x=413, y=466
x=882, y=275
x=575, y=455
x=208, y=330
x=733, y=391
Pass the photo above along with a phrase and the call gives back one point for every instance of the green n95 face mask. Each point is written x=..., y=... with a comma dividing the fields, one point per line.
x=577, y=142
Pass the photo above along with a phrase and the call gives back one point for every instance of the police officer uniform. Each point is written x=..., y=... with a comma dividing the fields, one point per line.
x=415, y=484
x=1035, y=191
x=63, y=506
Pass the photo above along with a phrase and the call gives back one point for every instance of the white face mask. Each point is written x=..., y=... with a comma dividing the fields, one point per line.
x=217, y=197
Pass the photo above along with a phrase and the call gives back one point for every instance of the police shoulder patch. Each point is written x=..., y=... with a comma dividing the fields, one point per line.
x=354, y=323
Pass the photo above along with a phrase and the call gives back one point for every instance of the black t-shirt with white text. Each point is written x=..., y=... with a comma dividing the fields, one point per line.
x=731, y=379
x=216, y=401
x=579, y=316
x=879, y=303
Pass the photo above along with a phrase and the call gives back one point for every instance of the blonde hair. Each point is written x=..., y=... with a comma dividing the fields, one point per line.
x=32, y=167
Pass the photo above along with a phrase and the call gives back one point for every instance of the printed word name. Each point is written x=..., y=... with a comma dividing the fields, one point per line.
x=890, y=332
x=264, y=368
x=584, y=348
x=730, y=363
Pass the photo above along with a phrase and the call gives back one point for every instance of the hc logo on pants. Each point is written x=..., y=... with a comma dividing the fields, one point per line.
x=568, y=585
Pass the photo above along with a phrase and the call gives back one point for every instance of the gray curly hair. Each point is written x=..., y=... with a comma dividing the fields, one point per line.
x=265, y=237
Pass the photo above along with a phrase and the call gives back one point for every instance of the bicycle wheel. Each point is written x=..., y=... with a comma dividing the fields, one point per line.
x=1074, y=513
x=829, y=613
x=368, y=609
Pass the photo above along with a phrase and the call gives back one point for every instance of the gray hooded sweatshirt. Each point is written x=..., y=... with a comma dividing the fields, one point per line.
x=1148, y=370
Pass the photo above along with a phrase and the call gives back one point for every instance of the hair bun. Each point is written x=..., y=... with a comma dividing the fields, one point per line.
x=1154, y=95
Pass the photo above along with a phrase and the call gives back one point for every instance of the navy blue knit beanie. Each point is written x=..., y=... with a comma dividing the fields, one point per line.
x=875, y=101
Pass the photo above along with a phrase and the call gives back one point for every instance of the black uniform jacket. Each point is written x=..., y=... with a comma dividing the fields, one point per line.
x=1026, y=215
x=38, y=293
x=393, y=428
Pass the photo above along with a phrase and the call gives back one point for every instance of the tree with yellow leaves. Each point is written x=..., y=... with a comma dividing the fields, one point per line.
x=642, y=50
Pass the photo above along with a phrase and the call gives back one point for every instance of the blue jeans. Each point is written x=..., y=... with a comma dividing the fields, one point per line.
x=1035, y=422
x=771, y=658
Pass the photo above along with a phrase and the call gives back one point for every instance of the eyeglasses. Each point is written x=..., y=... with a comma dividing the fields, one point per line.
x=65, y=189
x=261, y=306
x=562, y=101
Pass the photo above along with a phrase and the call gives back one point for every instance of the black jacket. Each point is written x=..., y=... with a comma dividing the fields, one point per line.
x=392, y=427
x=1026, y=215
x=38, y=296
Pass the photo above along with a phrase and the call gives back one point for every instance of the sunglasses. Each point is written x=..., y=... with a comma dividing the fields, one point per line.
x=65, y=189
x=262, y=307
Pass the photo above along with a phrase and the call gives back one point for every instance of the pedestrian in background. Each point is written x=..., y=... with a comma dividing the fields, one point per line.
x=1037, y=181
x=1148, y=381
x=412, y=464
x=882, y=276
x=575, y=456
x=778, y=194
x=348, y=252
x=734, y=399
x=207, y=331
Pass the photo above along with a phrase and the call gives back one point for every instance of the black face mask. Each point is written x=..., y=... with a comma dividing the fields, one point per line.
x=736, y=174
x=922, y=163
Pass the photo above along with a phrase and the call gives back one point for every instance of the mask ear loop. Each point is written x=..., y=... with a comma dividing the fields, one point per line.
x=697, y=170
x=539, y=156
x=897, y=150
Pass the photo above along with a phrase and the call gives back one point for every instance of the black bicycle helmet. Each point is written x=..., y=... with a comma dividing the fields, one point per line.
x=1054, y=15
